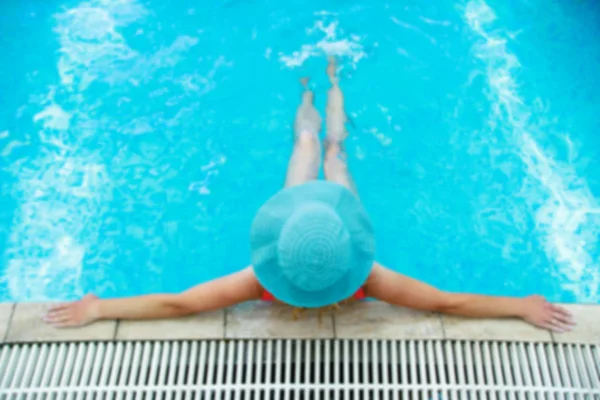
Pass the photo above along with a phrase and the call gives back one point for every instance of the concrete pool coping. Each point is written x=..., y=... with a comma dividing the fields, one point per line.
x=21, y=322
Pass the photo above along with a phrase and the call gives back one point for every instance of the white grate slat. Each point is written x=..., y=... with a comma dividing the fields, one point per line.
x=439, y=368
x=449, y=357
x=347, y=355
x=461, y=366
x=5, y=355
x=277, y=365
x=94, y=376
x=140, y=372
x=499, y=370
x=420, y=355
x=553, y=364
x=317, y=379
x=171, y=369
x=593, y=370
x=299, y=369
x=404, y=368
x=287, y=366
x=364, y=357
x=596, y=356
x=250, y=367
x=394, y=367
x=121, y=375
x=469, y=364
x=85, y=358
x=212, y=351
x=431, y=372
x=79, y=356
x=333, y=376
x=412, y=367
x=228, y=367
x=563, y=369
x=269, y=359
x=544, y=366
x=478, y=367
x=21, y=364
x=9, y=369
x=374, y=375
x=298, y=362
x=39, y=369
x=521, y=354
x=221, y=351
x=385, y=378
x=355, y=366
x=575, y=363
x=160, y=372
x=488, y=368
x=110, y=349
x=114, y=367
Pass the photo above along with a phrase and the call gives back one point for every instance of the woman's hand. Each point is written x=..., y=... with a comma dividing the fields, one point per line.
x=539, y=312
x=78, y=313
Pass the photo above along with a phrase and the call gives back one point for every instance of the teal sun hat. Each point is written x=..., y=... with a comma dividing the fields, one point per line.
x=312, y=245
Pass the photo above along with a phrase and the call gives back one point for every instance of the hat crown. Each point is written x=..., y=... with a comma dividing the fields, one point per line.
x=314, y=247
x=312, y=244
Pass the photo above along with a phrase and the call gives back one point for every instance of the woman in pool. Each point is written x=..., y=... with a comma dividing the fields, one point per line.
x=312, y=247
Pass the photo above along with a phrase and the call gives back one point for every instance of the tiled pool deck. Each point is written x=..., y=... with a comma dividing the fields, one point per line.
x=371, y=320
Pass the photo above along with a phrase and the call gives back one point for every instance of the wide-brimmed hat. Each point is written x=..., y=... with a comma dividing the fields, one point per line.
x=312, y=245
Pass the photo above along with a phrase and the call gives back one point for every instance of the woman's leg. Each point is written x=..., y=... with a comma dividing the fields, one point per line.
x=336, y=167
x=306, y=157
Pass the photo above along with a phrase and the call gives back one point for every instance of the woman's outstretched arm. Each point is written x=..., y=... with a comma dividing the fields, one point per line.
x=395, y=288
x=219, y=293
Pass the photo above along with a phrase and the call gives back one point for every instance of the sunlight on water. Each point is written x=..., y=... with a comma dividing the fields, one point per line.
x=65, y=190
x=567, y=214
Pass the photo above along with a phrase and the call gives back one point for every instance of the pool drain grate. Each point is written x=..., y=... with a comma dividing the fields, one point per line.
x=299, y=369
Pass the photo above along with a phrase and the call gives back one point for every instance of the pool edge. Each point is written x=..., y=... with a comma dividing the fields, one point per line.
x=21, y=322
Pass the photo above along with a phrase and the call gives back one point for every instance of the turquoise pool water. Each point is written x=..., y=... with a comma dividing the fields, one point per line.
x=138, y=138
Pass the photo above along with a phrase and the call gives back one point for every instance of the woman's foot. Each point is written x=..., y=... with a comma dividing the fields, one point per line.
x=331, y=70
x=307, y=116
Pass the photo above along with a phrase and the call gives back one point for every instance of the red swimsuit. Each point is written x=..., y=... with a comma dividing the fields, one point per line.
x=359, y=295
